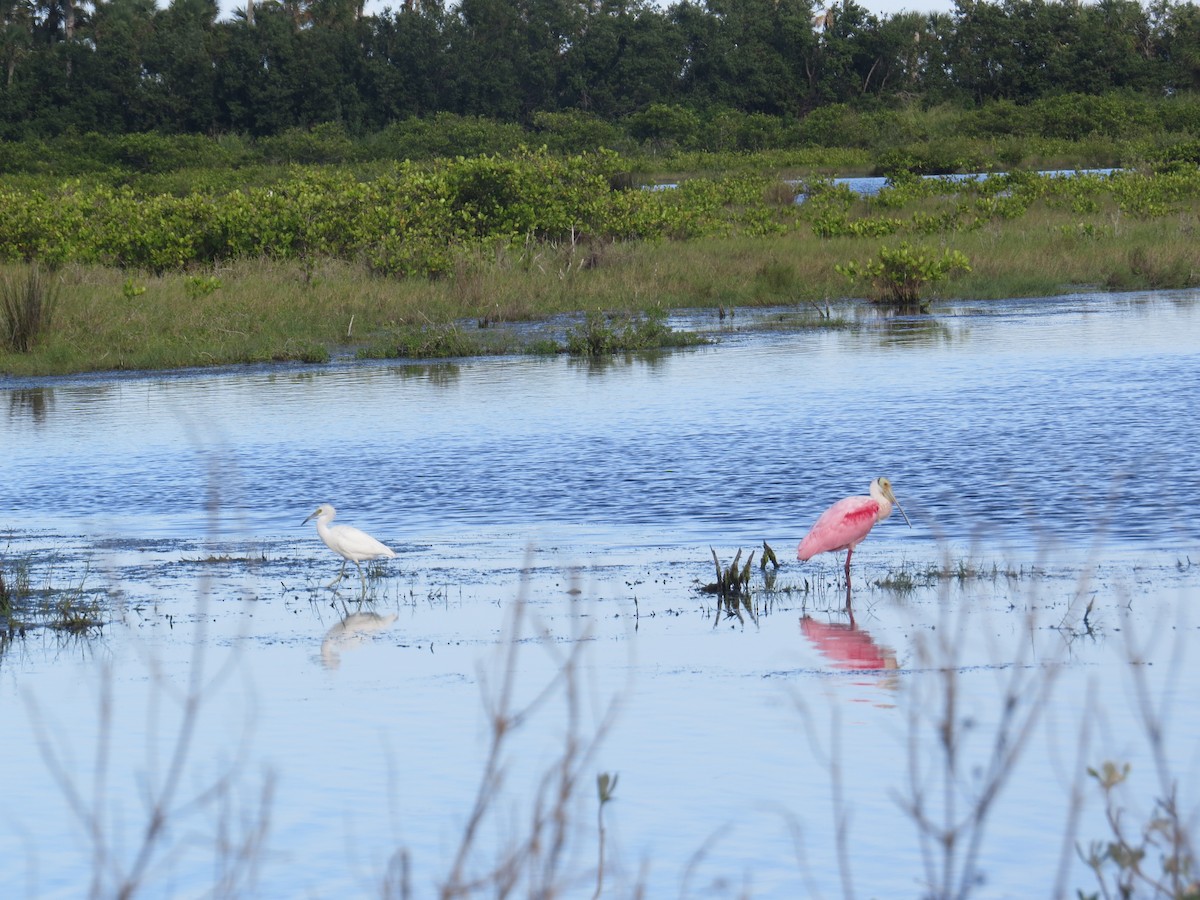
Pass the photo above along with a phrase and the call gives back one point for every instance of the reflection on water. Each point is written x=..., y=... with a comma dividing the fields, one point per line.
x=847, y=646
x=911, y=330
x=352, y=631
x=441, y=374
x=35, y=403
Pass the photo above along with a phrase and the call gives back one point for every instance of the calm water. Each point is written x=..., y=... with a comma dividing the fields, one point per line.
x=1047, y=444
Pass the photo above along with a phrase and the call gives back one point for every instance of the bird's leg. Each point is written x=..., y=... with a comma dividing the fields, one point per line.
x=362, y=578
x=341, y=575
x=849, y=553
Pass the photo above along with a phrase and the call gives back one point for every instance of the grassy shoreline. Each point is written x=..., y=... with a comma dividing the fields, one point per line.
x=256, y=311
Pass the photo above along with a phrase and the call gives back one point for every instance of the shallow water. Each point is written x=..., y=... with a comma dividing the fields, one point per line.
x=1045, y=447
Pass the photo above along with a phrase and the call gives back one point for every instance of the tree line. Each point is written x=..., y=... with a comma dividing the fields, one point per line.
x=127, y=66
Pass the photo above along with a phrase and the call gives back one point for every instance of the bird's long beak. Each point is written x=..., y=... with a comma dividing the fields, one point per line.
x=311, y=516
x=896, y=503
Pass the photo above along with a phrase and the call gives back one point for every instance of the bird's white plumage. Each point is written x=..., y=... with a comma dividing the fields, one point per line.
x=348, y=542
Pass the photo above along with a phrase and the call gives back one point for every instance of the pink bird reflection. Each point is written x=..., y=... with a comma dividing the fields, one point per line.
x=847, y=646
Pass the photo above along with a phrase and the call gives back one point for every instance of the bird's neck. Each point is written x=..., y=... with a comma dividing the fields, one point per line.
x=885, y=510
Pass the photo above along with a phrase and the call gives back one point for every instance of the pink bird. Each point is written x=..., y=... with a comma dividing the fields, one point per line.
x=844, y=525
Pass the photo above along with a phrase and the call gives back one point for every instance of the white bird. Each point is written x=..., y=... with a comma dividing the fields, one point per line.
x=348, y=542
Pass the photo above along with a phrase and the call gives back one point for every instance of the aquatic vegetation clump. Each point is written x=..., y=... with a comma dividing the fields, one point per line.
x=23, y=607
x=909, y=577
x=601, y=335
x=732, y=586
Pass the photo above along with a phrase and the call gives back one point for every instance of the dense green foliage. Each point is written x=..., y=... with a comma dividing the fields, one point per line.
x=737, y=74
x=420, y=218
x=409, y=220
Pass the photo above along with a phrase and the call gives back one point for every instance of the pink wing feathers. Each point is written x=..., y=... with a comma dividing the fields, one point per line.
x=840, y=527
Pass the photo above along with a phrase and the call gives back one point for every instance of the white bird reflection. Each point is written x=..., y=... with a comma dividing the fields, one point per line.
x=351, y=632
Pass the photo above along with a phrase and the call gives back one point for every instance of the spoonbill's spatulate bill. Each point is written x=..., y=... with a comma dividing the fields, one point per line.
x=847, y=522
x=348, y=542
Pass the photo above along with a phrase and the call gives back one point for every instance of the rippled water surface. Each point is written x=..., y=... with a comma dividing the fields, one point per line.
x=1044, y=450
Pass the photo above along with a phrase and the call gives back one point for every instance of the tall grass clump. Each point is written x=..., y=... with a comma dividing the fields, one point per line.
x=28, y=304
x=601, y=335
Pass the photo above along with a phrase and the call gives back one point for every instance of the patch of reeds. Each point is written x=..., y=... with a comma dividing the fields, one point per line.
x=27, y=302
x=909, y=577
x=24, y=607
x=604, y=335
x=733, y=588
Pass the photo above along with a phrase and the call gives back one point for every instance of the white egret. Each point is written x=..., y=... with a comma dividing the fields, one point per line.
x=348, y=542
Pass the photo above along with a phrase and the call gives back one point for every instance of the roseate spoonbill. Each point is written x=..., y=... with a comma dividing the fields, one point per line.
x=347, y=542
x=847, y=522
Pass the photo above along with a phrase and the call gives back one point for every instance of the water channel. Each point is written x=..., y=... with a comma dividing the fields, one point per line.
x=549, y=509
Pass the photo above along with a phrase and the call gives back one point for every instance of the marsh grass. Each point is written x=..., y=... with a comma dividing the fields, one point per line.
x=607, y=334
x=909, y=577
x=220, y=559
x=27, y=303
x=26, y=604
x=430, y=342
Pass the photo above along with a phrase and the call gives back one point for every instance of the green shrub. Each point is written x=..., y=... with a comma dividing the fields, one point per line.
x=899, y=275
x=573, y=131
x=662, y=128
x=837, y=125
x=327, y=143
x=444, y=136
